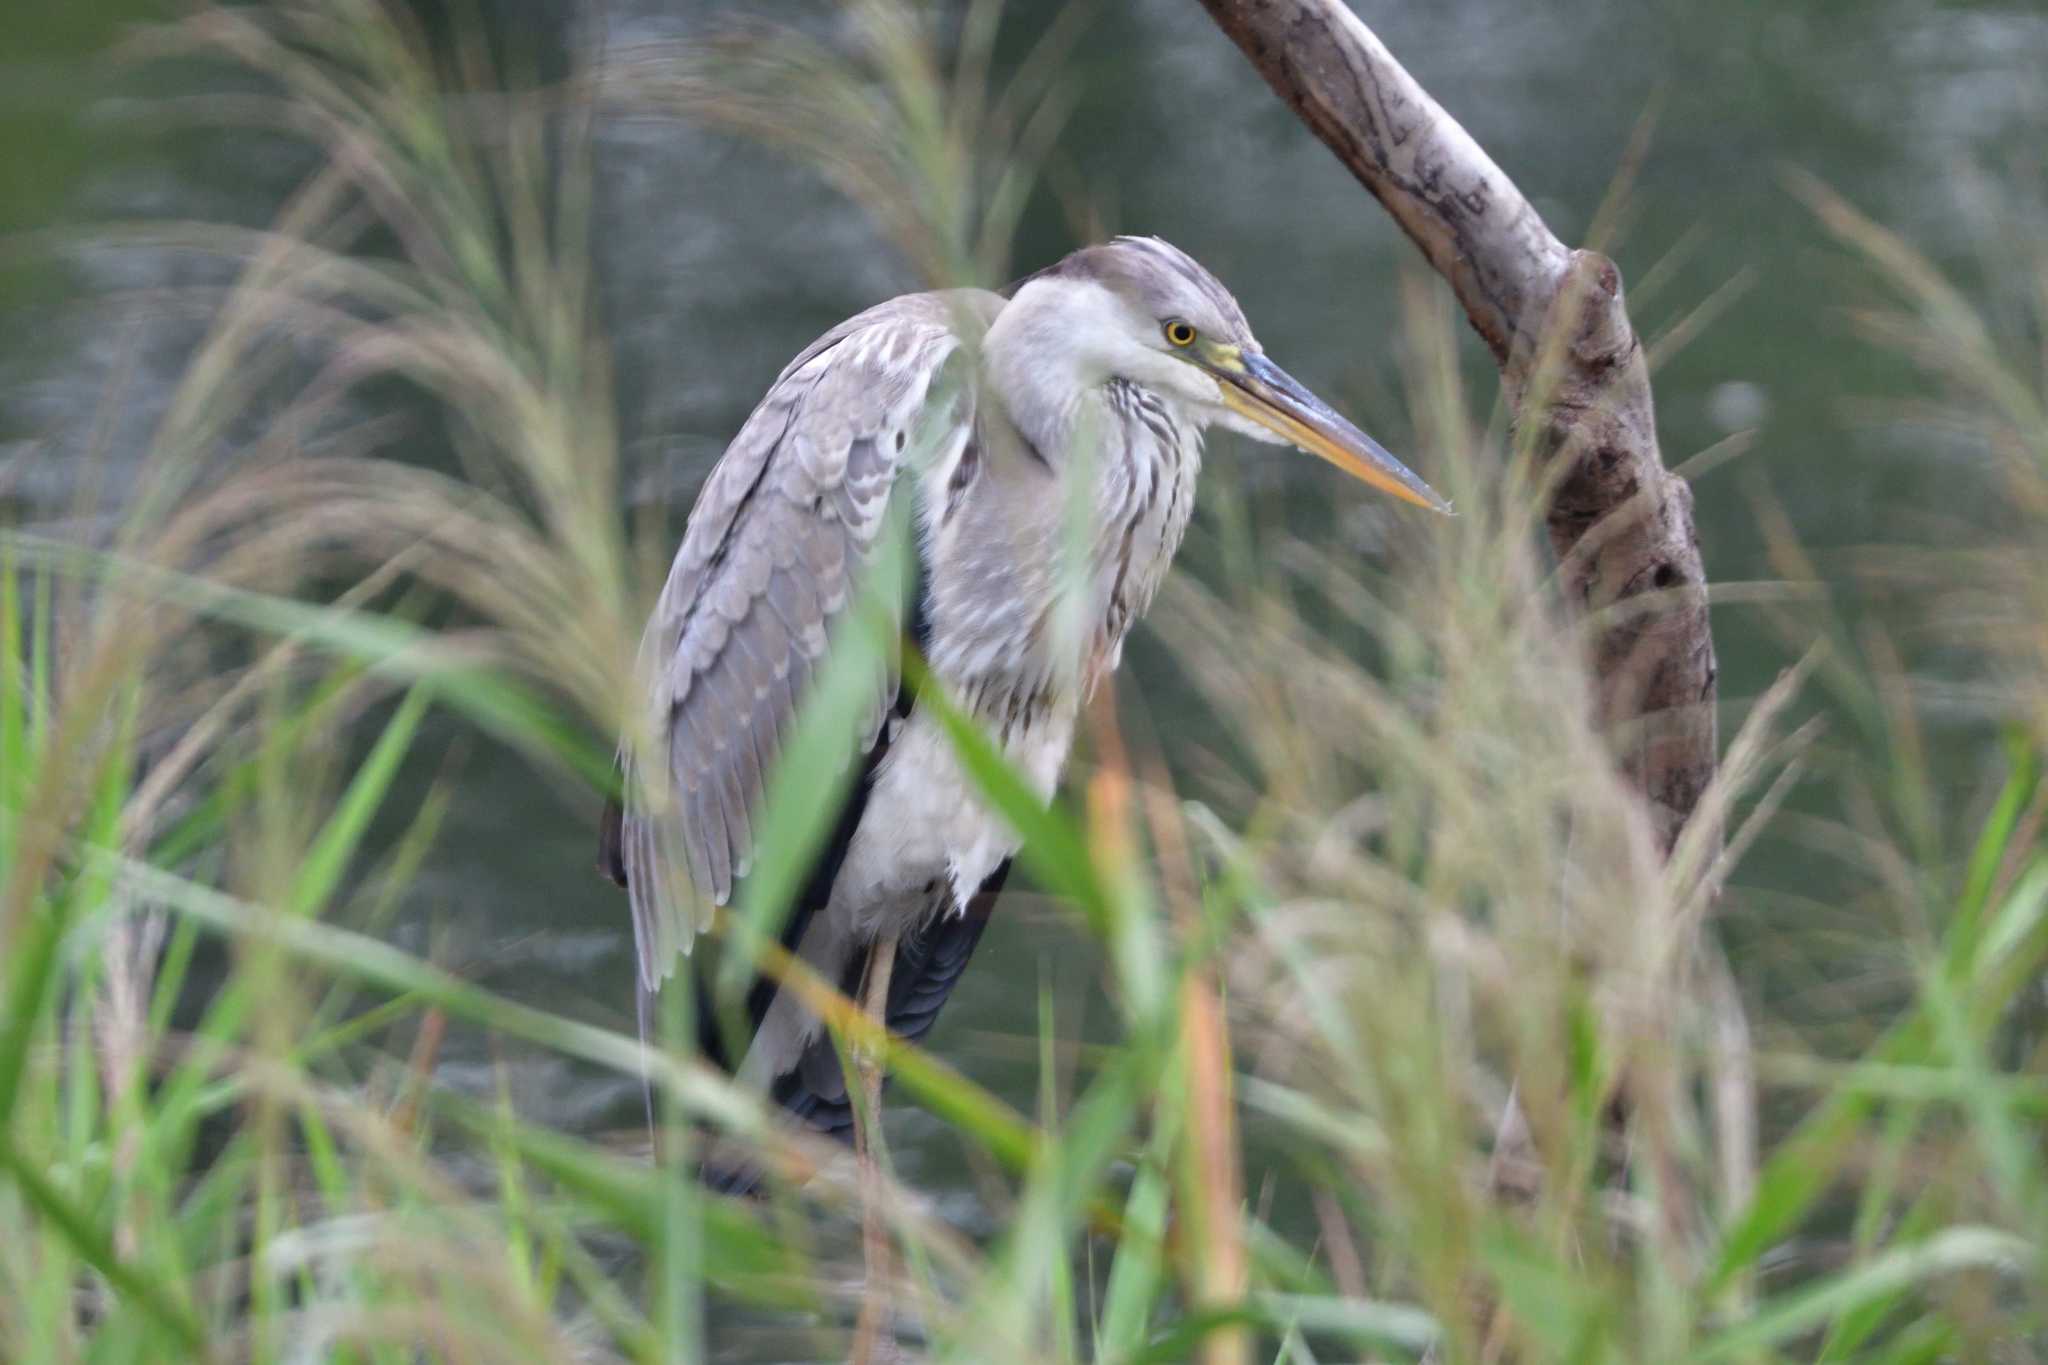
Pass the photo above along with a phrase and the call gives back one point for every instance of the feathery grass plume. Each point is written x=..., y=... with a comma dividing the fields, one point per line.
x=1987, y=594
x=1457, y=917
x=940, y=156
x=239, y=1185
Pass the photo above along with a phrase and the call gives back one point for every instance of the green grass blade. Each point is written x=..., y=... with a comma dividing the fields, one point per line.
x=320, y=871
x=96, y=1248
x=1054, y=847
x=1137, y=1275
x=819, y=759
x=388, y=646
x=1792, y=1315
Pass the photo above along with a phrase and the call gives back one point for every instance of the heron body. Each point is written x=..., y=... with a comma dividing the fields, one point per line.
x=1048, y=443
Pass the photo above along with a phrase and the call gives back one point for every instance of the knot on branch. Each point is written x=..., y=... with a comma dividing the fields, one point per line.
x=1574, y=339
x=1590, y=296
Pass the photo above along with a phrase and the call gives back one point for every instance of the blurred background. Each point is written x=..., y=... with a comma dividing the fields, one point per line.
x=1826, y=468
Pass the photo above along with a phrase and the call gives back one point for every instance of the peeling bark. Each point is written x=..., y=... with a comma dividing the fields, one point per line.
x=1557, y=324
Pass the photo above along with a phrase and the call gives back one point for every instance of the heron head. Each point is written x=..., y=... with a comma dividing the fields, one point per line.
x=1154, y=316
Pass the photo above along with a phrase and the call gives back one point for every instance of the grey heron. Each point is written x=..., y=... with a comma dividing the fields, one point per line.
x=984, y=410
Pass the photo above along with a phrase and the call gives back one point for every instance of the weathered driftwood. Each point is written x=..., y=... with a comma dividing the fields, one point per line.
x=1574, y=369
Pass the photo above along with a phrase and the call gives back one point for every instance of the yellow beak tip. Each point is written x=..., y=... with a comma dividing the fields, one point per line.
x=1301, y=419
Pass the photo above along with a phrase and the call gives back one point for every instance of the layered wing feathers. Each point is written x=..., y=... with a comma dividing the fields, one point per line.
x=773, y=556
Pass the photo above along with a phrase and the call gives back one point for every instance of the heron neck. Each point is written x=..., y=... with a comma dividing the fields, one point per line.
x=1046, y=356
x=1041, y=400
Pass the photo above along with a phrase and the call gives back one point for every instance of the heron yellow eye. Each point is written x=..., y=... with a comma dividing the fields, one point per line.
x=1180, y=333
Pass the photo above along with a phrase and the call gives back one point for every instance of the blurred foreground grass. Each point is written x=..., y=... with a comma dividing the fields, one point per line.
x=1415, y=936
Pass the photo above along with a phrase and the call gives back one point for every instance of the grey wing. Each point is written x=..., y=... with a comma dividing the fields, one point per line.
x=772, y=558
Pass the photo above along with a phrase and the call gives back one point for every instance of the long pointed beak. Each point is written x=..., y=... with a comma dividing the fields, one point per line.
x=1275, y=400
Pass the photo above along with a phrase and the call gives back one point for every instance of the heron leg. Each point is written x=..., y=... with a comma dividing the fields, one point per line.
x=870, y=1151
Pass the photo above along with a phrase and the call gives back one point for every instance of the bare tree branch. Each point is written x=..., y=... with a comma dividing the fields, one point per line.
x=1574, y=368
